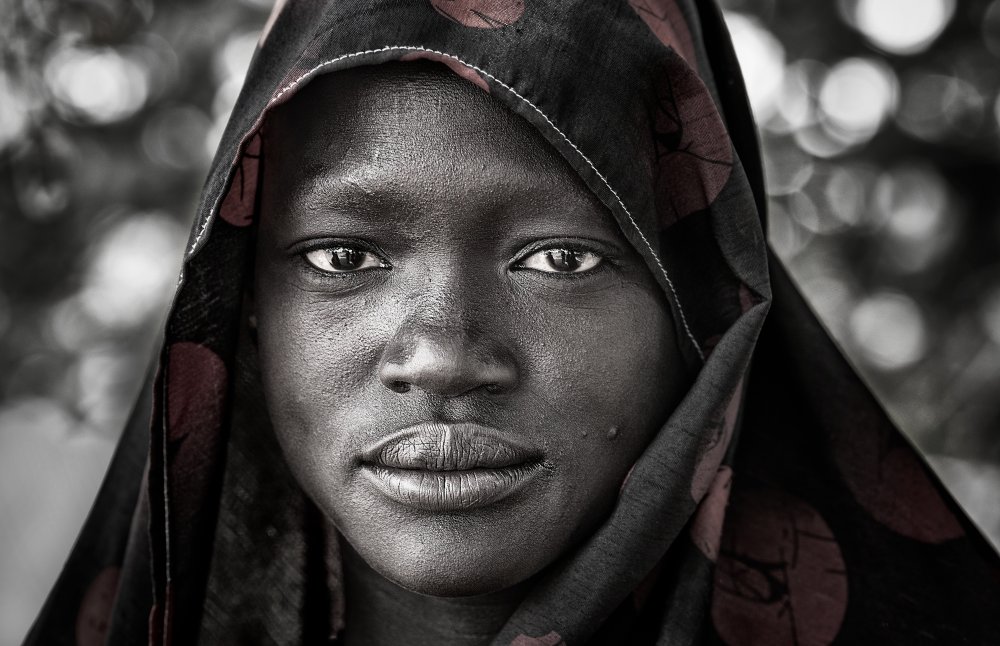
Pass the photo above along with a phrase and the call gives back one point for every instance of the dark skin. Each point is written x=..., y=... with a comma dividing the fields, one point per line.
x=424, y=256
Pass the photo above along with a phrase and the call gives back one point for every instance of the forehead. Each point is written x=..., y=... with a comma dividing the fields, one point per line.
x=415, y=133
x=419, y=105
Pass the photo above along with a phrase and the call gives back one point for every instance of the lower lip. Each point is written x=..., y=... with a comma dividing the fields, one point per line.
x=450, y=490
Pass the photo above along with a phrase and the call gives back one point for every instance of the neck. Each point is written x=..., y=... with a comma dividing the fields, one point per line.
x=379, y=612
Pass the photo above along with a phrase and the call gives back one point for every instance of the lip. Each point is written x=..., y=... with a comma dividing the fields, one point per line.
x=449, y=467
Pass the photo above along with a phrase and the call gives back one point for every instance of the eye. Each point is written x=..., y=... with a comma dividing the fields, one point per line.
x=343, y=259
x=561, y=261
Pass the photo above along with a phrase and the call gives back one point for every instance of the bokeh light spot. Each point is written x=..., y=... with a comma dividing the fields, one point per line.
x=784, y=232
x=803, y=210
x=816, y=141
x=174, y=137
x=787, y=169
x=935, y=106
x=921, y=220
x=856, y=97
x=913, y=201
x=846, y=193
x=889, y=330
x=98, y=85
x=902, y=26
x=132, y=272
x=70, y=327
x=104, y=377
x=762, y=58
x=233, y=59
x=14, y=114
x=830, y=295
x=794, y=105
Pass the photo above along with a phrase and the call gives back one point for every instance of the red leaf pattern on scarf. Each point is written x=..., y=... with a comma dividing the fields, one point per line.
x=551, y=639
x=665, y=19
x=747, y=298
x=888, y=480
x=694, y=155
x=780, y=579
x=706, y=529
x=238, y=206
x=196, y=386
x=481, y=14
x=706, y=468
x=94, y=617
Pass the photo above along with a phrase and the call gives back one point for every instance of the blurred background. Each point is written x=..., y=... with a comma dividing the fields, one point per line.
x=879, y=120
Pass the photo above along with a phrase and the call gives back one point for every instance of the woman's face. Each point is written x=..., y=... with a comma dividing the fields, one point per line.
x=461, y=354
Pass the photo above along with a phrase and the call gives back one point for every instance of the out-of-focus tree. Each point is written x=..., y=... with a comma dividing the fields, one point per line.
x=879, y=120
x=110, y=111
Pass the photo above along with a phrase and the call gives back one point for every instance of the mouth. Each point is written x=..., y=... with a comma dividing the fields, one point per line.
x=449, y=467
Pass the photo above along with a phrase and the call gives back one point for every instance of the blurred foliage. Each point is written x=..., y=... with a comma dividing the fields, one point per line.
x=879, y=120
x=110, y=111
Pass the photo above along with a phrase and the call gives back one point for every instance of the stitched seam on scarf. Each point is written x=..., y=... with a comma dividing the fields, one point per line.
x=621, y=203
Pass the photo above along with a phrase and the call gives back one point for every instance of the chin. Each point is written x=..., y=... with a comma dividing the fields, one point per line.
x=460, y=566
x=435, y=583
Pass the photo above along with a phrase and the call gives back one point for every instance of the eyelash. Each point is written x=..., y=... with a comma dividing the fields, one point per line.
x=517, y=265
x=355, y=245
x=604, y=260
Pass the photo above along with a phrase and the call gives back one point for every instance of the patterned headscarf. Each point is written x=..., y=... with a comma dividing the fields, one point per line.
x=777, y=505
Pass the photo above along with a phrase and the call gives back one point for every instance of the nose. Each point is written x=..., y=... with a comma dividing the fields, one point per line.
x=445, y=361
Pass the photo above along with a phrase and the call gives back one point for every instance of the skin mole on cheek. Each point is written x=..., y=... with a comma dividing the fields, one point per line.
x=612, y=432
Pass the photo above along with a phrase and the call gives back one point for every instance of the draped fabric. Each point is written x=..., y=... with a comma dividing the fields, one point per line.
x=777, y=505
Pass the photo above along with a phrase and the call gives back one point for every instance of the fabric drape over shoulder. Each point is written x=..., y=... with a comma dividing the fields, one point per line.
x=777, y=505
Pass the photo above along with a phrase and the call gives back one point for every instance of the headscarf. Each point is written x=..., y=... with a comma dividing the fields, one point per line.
x=777, y=505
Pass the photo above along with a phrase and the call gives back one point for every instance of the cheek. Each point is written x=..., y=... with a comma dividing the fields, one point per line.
x=615, y=358
x=317, y=363
x=609, y=376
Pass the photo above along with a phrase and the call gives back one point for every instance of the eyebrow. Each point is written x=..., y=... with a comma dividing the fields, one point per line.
x=316, y=178
x=347, y=193
x=334, y=190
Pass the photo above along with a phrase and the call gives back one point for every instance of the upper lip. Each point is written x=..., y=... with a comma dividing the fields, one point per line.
x=439, y=446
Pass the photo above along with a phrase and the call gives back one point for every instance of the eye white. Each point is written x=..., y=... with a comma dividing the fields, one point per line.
x=561, y=261
x=342, y=260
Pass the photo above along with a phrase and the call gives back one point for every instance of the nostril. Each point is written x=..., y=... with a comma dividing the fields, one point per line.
x=444, y=363
x=399, y=386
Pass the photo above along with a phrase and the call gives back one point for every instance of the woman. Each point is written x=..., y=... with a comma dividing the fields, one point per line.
x=499, y=305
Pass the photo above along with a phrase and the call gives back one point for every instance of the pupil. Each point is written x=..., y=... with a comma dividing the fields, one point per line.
x=345, y=258
x=563, y=259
